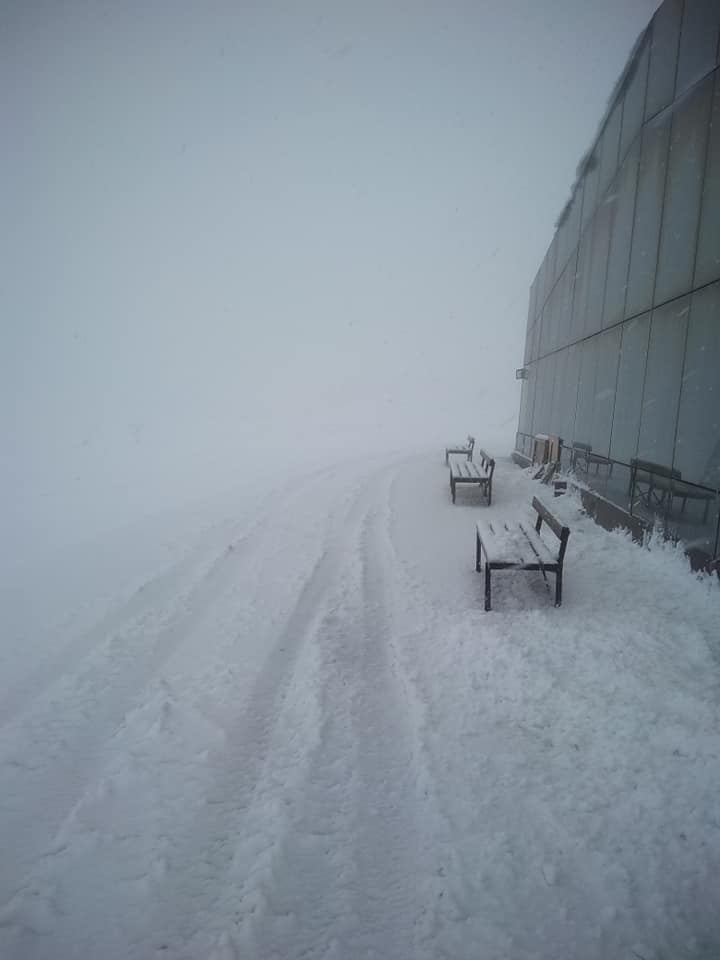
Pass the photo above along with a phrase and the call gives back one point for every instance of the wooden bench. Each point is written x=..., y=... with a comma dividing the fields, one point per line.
x=464, y=450
x=481, y=474
x=520, y=547
x=582, y=452
x=652, y=485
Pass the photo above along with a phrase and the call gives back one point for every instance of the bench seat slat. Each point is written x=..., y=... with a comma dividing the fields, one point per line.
x=512, y=547
x=466, y=470
x=544, y=553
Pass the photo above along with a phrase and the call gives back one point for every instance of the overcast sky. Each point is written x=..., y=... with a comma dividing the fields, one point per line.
x=311, y=222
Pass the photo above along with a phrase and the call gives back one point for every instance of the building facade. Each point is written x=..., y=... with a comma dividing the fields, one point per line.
x=622, y=351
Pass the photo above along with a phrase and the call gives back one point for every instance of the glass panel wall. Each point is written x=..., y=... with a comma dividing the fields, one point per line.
x=586, y=390
x=707, y=264
x=569, y=390
x=668, y=331
x=598, y=266
x=648, y=213
x=634, y=105
x=590, y=189
x=608, y=355
x=558, y=393
x=683, y=190
x=536, y=337
x=540, y=300
x=543, y=397
x=697, y=450
x=664, y=43
x=623, y=336
x=698, y=42
x=621, y=221
x=631, y=372
x=572, y=233
x=531, y=383
x=609, y=146
x=564, y=303
x=549, y=278
x=582, y=286
x=522, y=418
x=533, y=299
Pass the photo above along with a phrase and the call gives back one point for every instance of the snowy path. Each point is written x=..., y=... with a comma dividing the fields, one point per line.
x=306, y=739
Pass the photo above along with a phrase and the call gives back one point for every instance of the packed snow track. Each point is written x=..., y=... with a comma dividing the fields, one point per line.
x=305, y=739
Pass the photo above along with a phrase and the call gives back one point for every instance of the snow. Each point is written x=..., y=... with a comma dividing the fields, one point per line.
x=301, y=736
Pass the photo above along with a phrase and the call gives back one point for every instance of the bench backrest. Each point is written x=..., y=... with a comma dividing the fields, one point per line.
x=657, y=469
x=561, y=532
x=487, y=461
x=580, y=447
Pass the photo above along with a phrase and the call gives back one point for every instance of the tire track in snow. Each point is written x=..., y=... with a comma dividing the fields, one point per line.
x=250, y=773
x=149, y=605
x=351, y=871
x=40, y=790
x=69, y=732
x=293, y=897
x=395, y=859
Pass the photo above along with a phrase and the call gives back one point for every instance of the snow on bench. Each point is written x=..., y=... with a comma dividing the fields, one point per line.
x=520, y=547
x=481, y=474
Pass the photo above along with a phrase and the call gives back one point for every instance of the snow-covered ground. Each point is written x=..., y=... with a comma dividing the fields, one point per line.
x=301, y=736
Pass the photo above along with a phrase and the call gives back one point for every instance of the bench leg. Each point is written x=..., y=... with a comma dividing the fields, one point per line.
x=478, y=555
x=452, y=489
x=558, y=588
x=447, y=458
x=487, y=585
x=489, y=493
